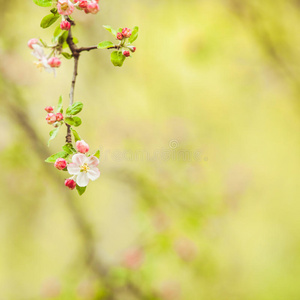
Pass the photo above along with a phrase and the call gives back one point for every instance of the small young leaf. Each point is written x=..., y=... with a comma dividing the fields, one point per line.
x=43, y=3
x=54, y=157
x=105, y=45
x=54, y=11
x=134, y=35
x=67, y=55
x=111, y=30
x=49, y=20
x=59, y=105
x=74, y=109
x=75, y=40
x=76, y=135
x=53, y=133
x=69, y=148
x=117, y=58
x=73, y=121
x=97, y=154
x=80, y=189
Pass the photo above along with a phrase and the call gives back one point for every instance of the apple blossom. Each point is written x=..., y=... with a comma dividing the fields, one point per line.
x=51, y=118
x=42, y=62
x=126, y=53
x=59, y=117
x=65, y=7
x=92, y=8
x=132, y=48
x=119, y=36
x=32, y=42
x=83, y=4
x=84, y=169
x=60, y=163
x=54, y=62
x=82, y=146
x=70, y=183
x=126, y=32
x=49, y=109
x=65, y=25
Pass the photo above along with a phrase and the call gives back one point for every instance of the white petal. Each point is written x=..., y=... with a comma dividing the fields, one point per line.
x=93, y=173
x=92, y=161
x=79, y=159
x=82, y=179
x=73, y=169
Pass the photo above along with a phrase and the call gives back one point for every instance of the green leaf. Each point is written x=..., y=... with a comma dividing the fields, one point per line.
x=110, y=29
x=105, y=45
x=73, y=121
x=54, y=11
x=62, y=38
x=75, y=40
x=49, y=20
x=76, y=135
x=80, y=189
x=43, y=3
x=97, y=154
x=120, y=29
x=67, y=55
x=53, y=133
x=117, y=58
x=54, y=157
x=57, y=33
x=69, y=148
x=134, y=34
x=74, y=109
x=60, y=105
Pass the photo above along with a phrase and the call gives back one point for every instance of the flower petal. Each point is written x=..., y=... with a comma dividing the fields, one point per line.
x=79, y=159
x=82, y=179
x=93, y=173
x=92, y=161
x=73, y=169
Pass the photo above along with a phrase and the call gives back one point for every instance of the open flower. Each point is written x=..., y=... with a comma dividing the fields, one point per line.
x=84, y=169
x=42, y=62
x=65, y=7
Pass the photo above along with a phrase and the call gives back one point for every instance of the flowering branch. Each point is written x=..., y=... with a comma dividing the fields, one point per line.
x=74, y=160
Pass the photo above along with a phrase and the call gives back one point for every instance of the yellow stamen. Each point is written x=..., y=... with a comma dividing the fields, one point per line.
x=84, y=168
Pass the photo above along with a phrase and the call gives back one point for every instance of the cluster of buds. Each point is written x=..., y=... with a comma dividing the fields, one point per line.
x=66, y=7
x=122, y=36
x=48, y=63
x=53, y=118
x=82, y=167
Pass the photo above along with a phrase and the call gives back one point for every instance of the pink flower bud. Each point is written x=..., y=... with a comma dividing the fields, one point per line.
x=65, y=25
x=59, y=117
x=51, y=118
x=60, y=163
x=126, y=53
x=126, y=32
x=54, y=62
x=70, y=183
x=32, y=42
x=82, y=146
x=83, y=4
x=49, y=109
x=131, y=48
x=119, y=36
x=92, y=8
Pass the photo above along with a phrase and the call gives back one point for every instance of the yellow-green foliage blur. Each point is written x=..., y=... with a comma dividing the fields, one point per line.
x=199, y=193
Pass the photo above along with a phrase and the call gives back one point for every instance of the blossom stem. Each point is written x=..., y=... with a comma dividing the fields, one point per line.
x=75, y=54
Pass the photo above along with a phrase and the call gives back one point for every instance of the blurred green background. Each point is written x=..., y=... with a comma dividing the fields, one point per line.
x=199, y=135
